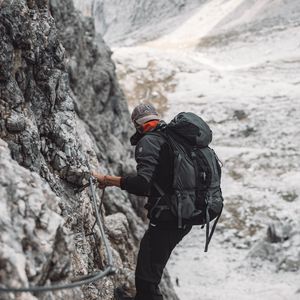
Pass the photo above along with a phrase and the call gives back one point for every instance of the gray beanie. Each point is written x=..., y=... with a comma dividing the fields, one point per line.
x=144, y=113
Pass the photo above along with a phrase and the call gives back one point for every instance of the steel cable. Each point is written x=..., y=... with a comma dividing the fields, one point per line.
x=87, y=279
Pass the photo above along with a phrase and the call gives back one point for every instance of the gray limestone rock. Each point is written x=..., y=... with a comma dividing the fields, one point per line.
x=31, y=226
x=280, y=246
x=62, y=114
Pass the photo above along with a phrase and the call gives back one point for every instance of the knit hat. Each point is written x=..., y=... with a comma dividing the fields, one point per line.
x=144, y=113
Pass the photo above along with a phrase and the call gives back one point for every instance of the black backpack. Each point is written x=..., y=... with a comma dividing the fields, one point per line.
x=197, y=196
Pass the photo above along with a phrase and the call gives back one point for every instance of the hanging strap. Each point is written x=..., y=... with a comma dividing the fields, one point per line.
x=207, y=217
x=209, y=235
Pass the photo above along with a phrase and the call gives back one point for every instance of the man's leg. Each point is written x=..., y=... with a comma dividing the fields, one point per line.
x=155, y=249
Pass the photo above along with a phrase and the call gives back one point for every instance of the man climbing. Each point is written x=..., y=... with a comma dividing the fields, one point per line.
x=154, y=164
x=180, y=174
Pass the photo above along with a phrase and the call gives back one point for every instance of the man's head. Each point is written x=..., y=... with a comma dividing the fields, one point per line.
x=143, y=113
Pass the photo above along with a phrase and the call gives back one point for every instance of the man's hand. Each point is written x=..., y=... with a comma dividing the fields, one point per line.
x=102, y=182
x=105, y=180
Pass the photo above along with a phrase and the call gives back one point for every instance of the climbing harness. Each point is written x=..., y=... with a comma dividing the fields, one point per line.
x=86, y=279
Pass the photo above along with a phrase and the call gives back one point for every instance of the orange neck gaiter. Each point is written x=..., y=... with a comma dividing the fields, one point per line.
x=149, y=126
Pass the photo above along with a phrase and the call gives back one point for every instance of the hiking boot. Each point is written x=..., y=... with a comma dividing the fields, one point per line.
x=120, y=294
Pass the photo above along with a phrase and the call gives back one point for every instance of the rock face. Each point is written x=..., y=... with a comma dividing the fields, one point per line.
x=62, y=113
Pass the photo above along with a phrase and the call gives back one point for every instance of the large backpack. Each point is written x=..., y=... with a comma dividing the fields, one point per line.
x=197, y=196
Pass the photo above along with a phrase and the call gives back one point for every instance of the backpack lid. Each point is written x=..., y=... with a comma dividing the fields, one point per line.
x=192, y=128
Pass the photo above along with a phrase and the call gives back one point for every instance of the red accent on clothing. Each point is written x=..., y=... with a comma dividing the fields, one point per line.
x=150, y=125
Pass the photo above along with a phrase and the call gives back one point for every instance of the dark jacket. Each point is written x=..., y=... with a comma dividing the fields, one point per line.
x=154, y=163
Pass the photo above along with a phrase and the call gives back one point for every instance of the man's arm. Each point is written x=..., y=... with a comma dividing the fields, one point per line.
x=133, y=184
x=107, y=180
x=147, y=157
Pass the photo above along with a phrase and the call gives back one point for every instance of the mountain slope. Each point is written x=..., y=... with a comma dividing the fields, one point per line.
x=236, y=64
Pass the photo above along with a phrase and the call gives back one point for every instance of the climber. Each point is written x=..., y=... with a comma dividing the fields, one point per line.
x=154, y=165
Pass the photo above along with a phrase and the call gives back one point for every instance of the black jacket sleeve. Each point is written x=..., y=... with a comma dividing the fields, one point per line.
x=147, y=157
x=137, y=185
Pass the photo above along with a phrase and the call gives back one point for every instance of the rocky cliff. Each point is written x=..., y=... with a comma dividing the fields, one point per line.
x=62, y=113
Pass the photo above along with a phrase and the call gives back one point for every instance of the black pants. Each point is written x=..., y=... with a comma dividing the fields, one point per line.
x=155, y=249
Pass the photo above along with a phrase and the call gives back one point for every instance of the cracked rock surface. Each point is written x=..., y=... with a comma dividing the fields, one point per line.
x=62, y=113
